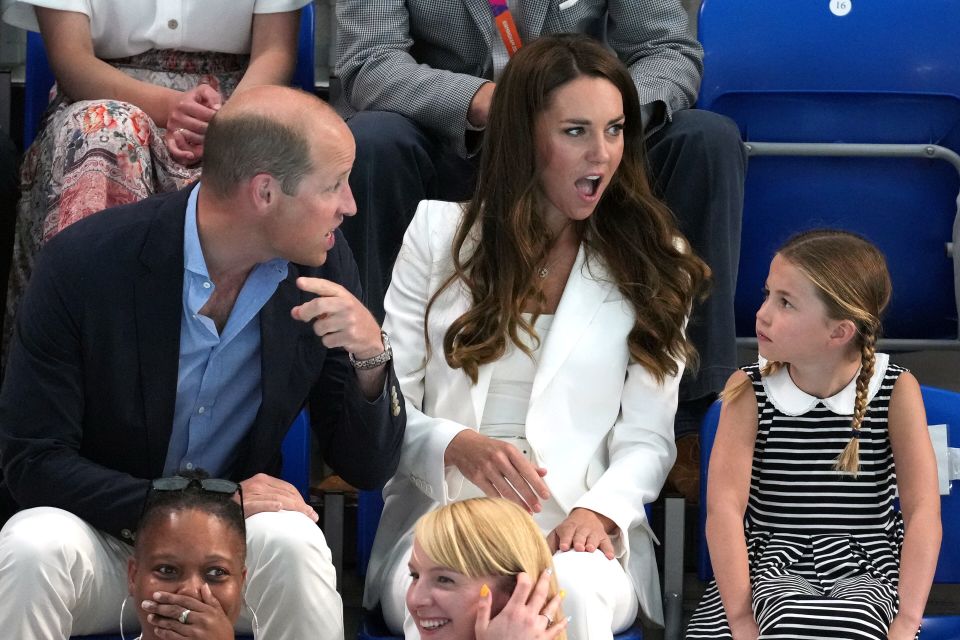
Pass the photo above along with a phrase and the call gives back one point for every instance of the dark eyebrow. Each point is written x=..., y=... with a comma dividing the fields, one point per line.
x=581, y=121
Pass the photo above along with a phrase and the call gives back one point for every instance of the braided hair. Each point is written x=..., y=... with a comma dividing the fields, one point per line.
x=852, y=279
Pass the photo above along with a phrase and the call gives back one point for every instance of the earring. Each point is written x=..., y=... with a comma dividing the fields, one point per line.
x=123, y=605
x=253, y=614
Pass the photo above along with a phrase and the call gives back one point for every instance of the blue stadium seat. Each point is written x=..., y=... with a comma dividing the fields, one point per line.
x=881, y=86
x=39, y=78
x=372, y=626
x=708, y=433
x=943, y=407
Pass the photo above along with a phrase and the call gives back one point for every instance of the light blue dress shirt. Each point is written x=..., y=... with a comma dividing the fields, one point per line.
x=218, y=381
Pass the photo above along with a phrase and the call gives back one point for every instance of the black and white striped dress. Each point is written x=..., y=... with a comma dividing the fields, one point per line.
x=823, y=547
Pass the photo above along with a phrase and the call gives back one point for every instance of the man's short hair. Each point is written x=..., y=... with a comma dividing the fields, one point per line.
x=240, y=146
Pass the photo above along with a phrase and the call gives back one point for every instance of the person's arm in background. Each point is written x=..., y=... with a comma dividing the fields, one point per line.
x=377, y=71
x=665, y=60
x=83, y=76
x=273, y=55
x=185, y=114
x=273, y=49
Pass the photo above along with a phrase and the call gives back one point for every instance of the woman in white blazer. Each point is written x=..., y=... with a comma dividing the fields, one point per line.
x=538, y=338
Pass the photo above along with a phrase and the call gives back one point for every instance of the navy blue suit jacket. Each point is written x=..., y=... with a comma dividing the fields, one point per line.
x=87, y=403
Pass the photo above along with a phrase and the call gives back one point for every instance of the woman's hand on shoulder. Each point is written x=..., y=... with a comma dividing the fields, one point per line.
x=498, y=469
x=186, y=125
x=526, y=616
x=206, y=621
x=583, y=530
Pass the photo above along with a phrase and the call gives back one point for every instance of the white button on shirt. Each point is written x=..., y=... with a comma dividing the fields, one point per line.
x=122, y=28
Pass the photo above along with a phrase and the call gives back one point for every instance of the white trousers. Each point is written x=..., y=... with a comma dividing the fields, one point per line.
x=600, y=599
x=60, y=577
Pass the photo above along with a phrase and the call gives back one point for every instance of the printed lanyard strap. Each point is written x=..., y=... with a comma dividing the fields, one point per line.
x=505, y=25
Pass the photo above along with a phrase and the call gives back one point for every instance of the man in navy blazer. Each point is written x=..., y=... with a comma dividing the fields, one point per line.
x=188, y=330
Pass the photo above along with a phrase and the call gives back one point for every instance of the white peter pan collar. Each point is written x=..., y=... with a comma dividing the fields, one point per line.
x=793, y=401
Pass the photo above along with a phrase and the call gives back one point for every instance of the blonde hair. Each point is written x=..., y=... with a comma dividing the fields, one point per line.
x=851, y=278
x=484, y=537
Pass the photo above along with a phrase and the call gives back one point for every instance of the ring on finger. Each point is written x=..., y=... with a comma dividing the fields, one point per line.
x=180, y=130
x=549, y=619
x=186, y=614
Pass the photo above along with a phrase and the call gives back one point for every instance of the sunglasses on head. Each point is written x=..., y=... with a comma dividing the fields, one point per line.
x=210, y=485
x=179, y=483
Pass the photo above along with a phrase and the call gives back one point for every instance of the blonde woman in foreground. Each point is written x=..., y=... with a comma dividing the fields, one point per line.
x=481, y=570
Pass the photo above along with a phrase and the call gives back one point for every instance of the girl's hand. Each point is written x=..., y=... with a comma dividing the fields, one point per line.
x=526, y=616
x=583, y=530
x=206, y=620
x=744, y=628
x=900, y=629
x=187, y=123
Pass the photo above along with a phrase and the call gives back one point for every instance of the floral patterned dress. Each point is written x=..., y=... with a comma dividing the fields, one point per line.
x=95, y=154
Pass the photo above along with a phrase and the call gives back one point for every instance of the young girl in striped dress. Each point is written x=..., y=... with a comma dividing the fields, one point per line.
x=803, y=534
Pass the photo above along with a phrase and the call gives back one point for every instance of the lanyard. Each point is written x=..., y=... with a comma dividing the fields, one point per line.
x=505, y=25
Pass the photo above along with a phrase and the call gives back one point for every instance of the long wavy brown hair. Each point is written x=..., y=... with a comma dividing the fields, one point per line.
x=631, y=232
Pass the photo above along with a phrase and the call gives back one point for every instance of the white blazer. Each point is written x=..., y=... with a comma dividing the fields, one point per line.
x=599, y=423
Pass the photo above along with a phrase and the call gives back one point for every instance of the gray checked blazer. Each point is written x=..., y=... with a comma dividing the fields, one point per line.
x=426, y=59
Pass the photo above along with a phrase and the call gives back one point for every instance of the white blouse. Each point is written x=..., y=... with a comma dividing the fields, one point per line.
x=508, y=397
x=122, y=28
x=505, y=412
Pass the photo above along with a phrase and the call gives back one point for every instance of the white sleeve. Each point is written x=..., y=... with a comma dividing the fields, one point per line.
x=279, y=6
x=426, y=437
x=20, y=13
x=641, y=449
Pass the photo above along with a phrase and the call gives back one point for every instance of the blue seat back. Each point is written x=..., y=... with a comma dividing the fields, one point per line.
x=369, y=508
x=296, y=454
x=303, y=74
x=708, y=433
x=884, y=73
x=943, y=407
x=39, y=78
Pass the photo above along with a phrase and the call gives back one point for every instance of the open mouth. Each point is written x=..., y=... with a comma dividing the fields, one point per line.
x=434, y=623
x=589, y=185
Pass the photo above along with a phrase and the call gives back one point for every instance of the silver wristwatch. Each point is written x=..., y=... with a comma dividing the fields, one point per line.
x=377, y=360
